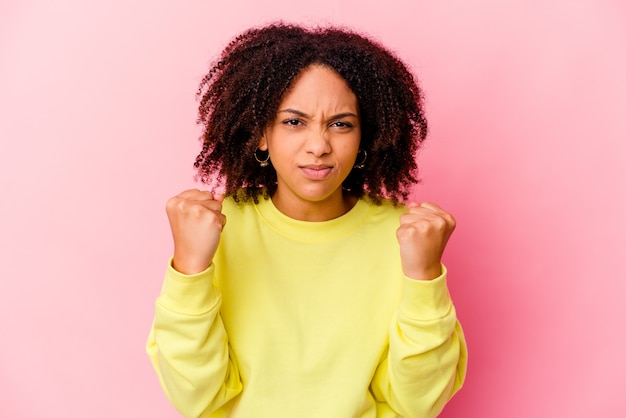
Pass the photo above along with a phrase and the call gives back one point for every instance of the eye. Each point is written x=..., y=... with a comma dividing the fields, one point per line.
x=342, y=124
x=292, y=122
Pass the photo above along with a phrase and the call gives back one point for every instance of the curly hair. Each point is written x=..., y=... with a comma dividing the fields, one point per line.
x=240, y=95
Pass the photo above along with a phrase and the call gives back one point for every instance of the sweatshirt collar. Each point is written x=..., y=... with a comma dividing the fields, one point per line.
x=305, y=231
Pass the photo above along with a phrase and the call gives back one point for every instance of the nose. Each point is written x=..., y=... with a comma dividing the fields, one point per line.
x=318, y=142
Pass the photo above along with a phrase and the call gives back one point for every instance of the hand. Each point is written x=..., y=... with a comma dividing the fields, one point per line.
x=423, y=234
x=196, y=221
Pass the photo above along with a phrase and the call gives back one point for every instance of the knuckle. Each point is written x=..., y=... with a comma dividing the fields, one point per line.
x=413, y=210
x=424, y=225
x=406, y=231
x=172, y=203
x=440, y=223
x=195, y=210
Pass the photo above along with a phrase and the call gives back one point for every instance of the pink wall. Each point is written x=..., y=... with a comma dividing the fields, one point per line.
x=527, y=103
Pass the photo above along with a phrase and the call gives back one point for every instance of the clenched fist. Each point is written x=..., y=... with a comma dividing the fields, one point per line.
x=196, y=221
x=423, y=234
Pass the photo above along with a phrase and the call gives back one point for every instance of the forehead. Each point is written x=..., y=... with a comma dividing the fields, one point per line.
x=319, y=85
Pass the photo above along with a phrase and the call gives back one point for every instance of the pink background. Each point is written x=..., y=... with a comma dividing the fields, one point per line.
x=527, y=104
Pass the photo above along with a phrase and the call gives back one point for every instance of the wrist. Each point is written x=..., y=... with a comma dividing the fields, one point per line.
x=188, y=266
x=428, y=273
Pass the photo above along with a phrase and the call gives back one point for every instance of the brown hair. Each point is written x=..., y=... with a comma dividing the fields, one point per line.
x=241, y=93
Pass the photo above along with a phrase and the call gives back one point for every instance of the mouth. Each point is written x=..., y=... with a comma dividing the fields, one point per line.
x=316, y=172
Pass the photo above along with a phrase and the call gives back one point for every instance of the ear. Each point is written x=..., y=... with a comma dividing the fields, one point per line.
x=263, y=143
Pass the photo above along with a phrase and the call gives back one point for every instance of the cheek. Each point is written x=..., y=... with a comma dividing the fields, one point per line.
x=281, y=151
x=350, y=146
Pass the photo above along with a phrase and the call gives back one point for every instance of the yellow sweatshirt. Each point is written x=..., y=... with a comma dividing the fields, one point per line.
x=302, y=319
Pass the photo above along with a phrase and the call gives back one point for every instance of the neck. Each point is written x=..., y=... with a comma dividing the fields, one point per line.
x=320, y=211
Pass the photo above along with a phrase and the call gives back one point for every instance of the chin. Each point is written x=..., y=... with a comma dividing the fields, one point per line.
x=318, y=196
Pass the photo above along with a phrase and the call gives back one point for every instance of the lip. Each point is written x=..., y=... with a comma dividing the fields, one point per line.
x=316, y=172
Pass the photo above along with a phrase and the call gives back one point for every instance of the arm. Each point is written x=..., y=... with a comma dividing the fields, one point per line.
x=188, y=346
x=427, y=358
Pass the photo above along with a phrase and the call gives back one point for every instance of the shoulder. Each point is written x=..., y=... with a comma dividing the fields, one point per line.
x=385, y=207
x=232, y=207
x=383, y=215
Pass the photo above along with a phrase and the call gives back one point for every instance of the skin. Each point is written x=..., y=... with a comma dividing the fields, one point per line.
x=313, y=143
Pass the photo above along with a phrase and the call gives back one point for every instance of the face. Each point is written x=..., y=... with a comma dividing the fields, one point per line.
x=313, y=142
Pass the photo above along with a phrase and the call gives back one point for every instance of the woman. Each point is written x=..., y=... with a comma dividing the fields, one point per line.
x=324, y=294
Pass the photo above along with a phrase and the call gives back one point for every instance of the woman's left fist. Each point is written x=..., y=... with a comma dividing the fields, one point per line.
x=423, y=234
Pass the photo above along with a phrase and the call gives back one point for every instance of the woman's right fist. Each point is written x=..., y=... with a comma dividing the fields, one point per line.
x=196, y=220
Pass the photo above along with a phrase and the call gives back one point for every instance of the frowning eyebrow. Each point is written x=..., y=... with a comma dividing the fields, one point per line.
x=304, y=115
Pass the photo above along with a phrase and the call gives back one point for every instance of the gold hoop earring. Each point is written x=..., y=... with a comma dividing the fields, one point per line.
x=263, y=162
x=361, y=164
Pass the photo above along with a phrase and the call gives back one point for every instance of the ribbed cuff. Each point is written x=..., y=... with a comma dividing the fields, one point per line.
x=425, y=300
x=190, y=294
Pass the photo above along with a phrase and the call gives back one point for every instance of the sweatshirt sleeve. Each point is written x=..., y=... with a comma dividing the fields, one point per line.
x=188, y=345
x=427, y=358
